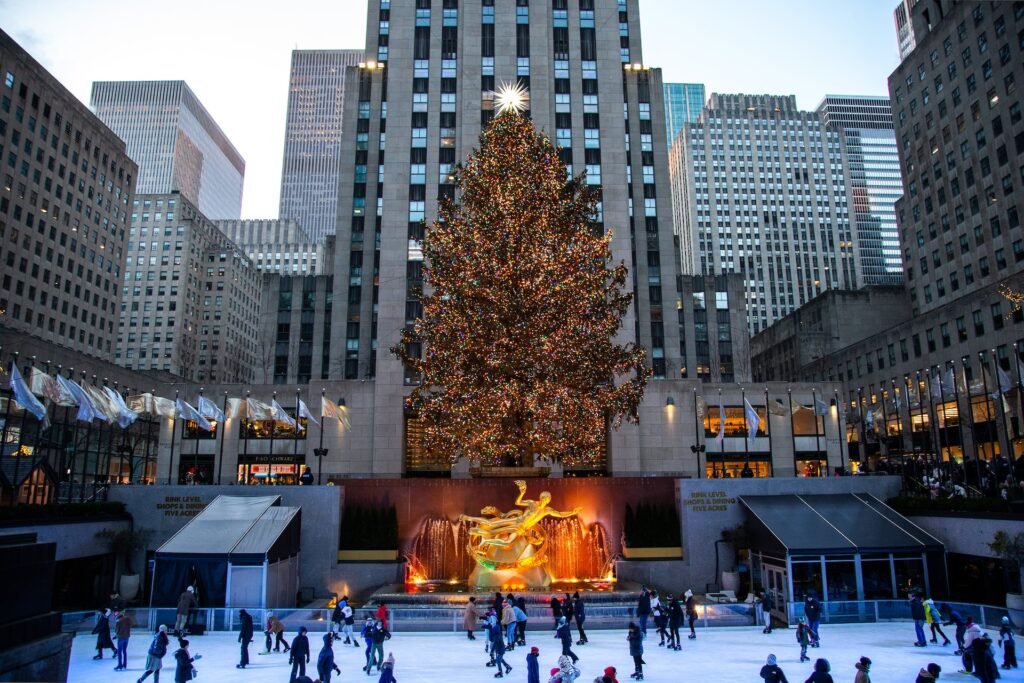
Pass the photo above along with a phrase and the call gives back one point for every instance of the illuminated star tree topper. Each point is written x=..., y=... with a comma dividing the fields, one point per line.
x=512, y=97
x=516, y=334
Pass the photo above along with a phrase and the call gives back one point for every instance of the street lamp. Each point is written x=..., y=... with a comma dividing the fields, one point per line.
x=320, y=454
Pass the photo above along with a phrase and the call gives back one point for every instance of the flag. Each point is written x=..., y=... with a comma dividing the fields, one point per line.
x=303, y=411
x=914, y=395
x=258, y=411
x=104, y=410
x=44, y=385
x=329, y=408
x=236, y=407
x=721, y=423
x=1005, y=383
x=125, y=417
x=187, y=412
x=164, y=407
x=936, y=386
x=86, y=410
x=701, y=407
x=280, y=415
x=795, y=406
x=753, y=421
x=820, y=407
x=24, y=396
x=209, y=410
x=775, y=407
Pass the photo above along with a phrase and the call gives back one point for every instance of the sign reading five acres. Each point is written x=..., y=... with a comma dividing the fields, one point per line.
x=181, y=506
x=708, y=501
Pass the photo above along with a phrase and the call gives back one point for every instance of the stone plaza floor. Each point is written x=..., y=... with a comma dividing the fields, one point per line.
x=719, y=655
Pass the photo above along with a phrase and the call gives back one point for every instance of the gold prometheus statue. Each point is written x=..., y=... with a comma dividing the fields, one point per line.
x=511, y=540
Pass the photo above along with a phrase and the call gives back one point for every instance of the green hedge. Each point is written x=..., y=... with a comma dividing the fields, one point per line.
x=919, y=505
x=369, y=528
x=61, y=512
x=651, y=526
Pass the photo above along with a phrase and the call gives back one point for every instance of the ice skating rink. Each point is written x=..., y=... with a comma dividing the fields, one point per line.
x=718, y=655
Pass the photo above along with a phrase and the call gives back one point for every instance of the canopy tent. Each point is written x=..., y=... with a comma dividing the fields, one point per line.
x=239, y=551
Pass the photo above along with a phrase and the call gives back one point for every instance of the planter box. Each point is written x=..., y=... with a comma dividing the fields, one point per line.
x=653, y=553
x=367, y=555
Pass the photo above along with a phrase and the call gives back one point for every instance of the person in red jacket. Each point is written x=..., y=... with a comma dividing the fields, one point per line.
x=382, y=614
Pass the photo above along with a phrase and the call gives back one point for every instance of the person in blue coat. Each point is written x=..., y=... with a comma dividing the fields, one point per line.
x=918, y=615
x=533, y=666
x=565, y=635
x=325, y=660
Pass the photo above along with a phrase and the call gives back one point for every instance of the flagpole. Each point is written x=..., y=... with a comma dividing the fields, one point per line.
x=223, y=429
x=149, y=439
x=696, y=437
x=817, y=439
x=244, y=425
x=1006, y=428
x=746, y=441
x=108, y=451
x=792, y=426
x=839, y=435
x=947, y=448
x=862, y=449
x=7, y=410
x=273, y=428
x=970, y=414
x=62, y=445
x=721, y=427
x=174, y=417
x=768, y=426
x=320, y=450
x=1016, y=363
x=88, y=444
x=195, y=456
x=989, y=417
x=295, y=441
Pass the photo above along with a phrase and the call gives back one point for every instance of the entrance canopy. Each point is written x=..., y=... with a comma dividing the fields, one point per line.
x=833, y=524
x=231, y=531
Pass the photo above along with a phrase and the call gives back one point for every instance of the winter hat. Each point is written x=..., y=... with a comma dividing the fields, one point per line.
x=1006, y=621
x=106, y=612
x=302, y=629
x=863, y=664
x=609, y=671
x=328, y=637
x=688, y=593
x=554, y=670
x=534, y=650
x=929, y=601
x=771, y=660
x=163, y=628
x=561, y=620
x=934, y=669
x=190, y=589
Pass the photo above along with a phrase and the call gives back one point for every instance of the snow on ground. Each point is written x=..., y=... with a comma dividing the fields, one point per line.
x=722, y=655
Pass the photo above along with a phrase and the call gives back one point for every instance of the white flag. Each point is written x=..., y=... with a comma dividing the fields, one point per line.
x=753, y=421
x=187, y=412
x=720, y=438
x=303, y=411
x=209, y=410
x=280, y=415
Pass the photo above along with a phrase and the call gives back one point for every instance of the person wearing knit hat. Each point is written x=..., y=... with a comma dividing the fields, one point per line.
x=934, y=621
x=609, y=674
x=533, y=666
x=1008, y=643
x=635, y=638
x=771, y=673
x=863, y=671
x=929, y=674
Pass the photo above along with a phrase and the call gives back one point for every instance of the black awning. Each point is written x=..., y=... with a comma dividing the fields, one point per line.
x=836, y=524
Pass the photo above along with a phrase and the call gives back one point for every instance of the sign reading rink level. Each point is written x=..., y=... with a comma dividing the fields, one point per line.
x=708, y=501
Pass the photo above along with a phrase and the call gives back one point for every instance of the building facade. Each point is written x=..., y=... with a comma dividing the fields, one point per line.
x=904, y=29
x=873, y=180
x=175, y=142
x=761, y=190
x=684, y=103
x=68, y=183
x=312, y=138
x=279, y=246
x=191, y=298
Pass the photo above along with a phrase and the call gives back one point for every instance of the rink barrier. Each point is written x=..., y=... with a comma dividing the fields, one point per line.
x=599, y=617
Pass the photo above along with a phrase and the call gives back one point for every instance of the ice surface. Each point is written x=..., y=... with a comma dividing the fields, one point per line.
x=719, y=655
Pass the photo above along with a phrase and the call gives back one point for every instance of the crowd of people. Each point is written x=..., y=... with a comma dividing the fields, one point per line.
x=504, y=619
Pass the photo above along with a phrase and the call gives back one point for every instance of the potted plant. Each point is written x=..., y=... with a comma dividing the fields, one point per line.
x=124, y=544
x=1011, y=550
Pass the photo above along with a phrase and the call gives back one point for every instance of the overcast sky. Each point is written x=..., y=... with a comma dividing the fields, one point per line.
x=235, y=54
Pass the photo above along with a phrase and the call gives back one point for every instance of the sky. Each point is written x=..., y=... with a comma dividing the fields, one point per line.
x=237, y=61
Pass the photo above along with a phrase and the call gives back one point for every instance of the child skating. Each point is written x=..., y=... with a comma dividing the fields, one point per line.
x=635, y=637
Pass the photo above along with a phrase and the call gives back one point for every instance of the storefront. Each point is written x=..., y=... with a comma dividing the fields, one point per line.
x=842, y=549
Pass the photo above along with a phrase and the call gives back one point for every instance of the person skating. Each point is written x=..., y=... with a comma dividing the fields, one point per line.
x=123, y=631
x=155, y=654
x=533, y=666
x=337, y=617
x=863, y=667
x=821, y=672
x=268, y=632
x=579, y=611
x=565, y=635
x=658, y=614
x=565, y=672
x=183, y=662
x=934, y=621
x=635, y=638
x=186, y=601
x=470, y=617
x=766, y=611
x=643, y=609
x=567, y=611
x=299, y=654
x=245, y=634
x=556, y=609
x=325, y=665
x=1008, y=643
x=803, y=637
x=350, y=619
x=691, y=613
x=984, y=655
x=387, y=671
x=367, y=635
x=929, y=674
x=771, y=673
x=952, y=617
x=499, y=658
x=812, y=611
x=519, y=609
x=508, y=624
x=382, y=615
x=972, y=632
x=917, y=613
x=102, y=632
x=675, y=620
x=379, y=634
x=493, y=627
x=609, y=675
x=278, y=629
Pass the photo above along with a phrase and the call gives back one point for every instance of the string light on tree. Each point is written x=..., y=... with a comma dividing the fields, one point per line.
x=518, y=328
x=513, y=97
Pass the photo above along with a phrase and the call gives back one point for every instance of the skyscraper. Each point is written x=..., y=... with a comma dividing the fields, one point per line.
x=904, y=29
x=174, y=140
x=312, y=138
x=67, y=185
x=763, y=193
x=872, y=166
x=683, y=104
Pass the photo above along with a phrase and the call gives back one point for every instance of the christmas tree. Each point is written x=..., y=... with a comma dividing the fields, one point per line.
x=518, y=328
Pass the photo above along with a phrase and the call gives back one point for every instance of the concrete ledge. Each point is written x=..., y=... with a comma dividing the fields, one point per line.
x=653, y=553
x=45, y=659
x=367, y=555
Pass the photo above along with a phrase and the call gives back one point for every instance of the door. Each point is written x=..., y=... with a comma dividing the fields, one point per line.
x=775, y=583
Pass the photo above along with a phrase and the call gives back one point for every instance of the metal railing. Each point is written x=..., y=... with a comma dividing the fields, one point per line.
x=450, y=619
